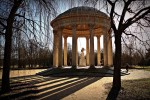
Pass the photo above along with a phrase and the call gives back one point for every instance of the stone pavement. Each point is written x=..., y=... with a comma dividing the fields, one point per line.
x=87, y=88
x=66, y=88
x=96, y=90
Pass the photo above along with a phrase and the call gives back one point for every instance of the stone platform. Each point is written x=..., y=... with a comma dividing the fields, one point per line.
x=67, y=71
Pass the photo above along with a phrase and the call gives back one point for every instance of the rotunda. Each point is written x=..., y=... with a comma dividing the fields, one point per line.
x=85, y=22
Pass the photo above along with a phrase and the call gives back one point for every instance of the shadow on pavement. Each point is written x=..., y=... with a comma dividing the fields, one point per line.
x=41, y=87
x=55, y=84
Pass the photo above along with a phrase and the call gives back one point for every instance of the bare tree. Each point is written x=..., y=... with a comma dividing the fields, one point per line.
x=129, y=18
x=26, y=16
x=121, y=24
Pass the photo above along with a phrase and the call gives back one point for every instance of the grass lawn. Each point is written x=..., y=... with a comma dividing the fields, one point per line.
x=147, y=68
x=133, y=89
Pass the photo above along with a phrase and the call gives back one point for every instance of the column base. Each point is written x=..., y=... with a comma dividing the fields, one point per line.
x=92, y=67
x=55, y=66
x=110, y=65
x=59, y=67
x=74, y=67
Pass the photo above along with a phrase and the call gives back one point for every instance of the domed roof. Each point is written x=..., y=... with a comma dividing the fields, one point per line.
x=82, y=17
x=82, y=10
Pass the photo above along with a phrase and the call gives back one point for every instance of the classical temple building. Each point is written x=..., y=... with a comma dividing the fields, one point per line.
x=85, y=22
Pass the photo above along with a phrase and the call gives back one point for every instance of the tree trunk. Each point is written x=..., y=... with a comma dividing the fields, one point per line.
x=117, y=63
x=7, y=49
x=6, y=64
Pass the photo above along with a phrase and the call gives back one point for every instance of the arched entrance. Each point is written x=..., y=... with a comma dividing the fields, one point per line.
x=82, y=22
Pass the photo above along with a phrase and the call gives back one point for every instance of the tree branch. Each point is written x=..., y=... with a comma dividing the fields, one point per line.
x=111, y=15
x=123, y=14
x=133, y=36
x=2, y=24
x=137, y=17
x=1, y=33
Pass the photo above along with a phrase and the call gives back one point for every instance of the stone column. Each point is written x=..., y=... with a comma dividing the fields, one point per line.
x=57, y=45
x=87, y=51
x=74, y=46
x=65, y=50
x=98, y=51
x=60, y=60
x=110, y=54
x=92, y=58
x=105, y=50
x=77, y=53
x=54, y=50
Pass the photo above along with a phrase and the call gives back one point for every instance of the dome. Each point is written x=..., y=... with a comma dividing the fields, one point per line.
x=82, y=17
x=82, y=10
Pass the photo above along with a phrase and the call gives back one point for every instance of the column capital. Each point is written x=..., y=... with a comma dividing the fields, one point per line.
x=59, y=28
x=98, y=36
x=91, y=25
x=87, y=37
x=74, y=26
x=65, y=36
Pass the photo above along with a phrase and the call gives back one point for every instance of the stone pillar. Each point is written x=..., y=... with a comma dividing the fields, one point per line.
x=92, y=58
x=77, y=53
x=105, y=50
x=57, y=45
x=87, y=51
x=74, y=46
x=98, y=51
x=65, y=50
x=54, y=50
x=60, y=60
x=110, y=54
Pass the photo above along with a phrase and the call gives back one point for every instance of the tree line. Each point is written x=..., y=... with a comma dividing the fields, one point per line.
x=28, y=54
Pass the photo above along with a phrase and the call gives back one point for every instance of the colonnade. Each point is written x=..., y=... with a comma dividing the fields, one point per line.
x=90, y=59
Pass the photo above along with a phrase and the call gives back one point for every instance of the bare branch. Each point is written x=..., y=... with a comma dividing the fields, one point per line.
x=111, y=15
x=123, y=14
x=2, y=24
x=137, y=17
x=133, y=36
x=110, y=2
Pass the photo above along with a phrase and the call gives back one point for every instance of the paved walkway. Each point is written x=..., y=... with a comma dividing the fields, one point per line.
x=96, y=90
x=68, y=88
x=83, y=88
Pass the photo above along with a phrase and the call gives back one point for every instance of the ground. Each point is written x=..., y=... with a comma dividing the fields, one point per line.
x=65, y=88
